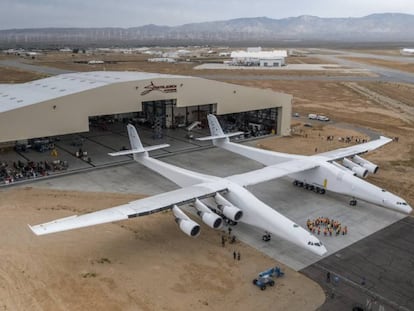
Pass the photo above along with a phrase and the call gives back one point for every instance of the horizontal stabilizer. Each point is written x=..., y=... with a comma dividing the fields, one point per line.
x=220, y=137
x=135, y=151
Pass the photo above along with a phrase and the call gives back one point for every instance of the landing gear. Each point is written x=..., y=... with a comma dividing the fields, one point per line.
x=266, y=237
x=230, y=222
x=353, y=202
x=298, y=183
x=310, y=187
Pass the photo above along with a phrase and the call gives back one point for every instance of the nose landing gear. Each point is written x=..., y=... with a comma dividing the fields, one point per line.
x=353, y=202
x=266, y=237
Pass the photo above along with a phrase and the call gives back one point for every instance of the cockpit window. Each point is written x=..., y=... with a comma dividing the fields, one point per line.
x=401, y=203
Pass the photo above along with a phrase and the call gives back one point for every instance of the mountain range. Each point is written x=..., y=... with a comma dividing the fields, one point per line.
x=385, y=27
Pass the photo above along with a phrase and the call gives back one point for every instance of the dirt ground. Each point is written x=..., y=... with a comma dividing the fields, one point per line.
x=12, y=75
x=140, y=264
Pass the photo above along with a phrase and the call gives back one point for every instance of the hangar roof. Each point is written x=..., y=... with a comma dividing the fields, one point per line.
x=13, y=96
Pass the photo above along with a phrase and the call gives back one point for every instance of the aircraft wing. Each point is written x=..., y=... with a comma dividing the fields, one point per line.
x=355, y=150
x=272, y=172
x=132, y=209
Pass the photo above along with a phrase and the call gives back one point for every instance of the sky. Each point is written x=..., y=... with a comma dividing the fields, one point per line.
x=132, y=13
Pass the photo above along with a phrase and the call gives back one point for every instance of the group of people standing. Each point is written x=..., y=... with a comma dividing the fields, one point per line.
x=326, y=226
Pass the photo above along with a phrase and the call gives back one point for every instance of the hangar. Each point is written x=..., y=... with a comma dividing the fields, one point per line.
x=65, y=103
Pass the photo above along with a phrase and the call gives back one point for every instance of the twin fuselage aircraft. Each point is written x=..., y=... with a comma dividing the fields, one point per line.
x=216, y=199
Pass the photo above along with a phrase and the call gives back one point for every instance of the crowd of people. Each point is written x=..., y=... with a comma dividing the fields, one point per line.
x=14, y=171
x=326, y=226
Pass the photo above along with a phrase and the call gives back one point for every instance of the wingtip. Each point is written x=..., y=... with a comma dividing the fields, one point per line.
x=33, y=229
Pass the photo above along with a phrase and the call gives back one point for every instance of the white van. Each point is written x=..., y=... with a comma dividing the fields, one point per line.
x=312, y=116
x=322, y=118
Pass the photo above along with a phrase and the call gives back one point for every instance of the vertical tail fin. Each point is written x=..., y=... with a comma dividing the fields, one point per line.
x=134, y=138
x=214, y=125
x=136, y=145
x=216, y=131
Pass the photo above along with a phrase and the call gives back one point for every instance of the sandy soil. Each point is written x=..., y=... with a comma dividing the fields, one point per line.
x=13, y=75
x=141, y=264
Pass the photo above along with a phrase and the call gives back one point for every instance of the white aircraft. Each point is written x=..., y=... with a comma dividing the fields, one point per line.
x=318, y=173
x=213, y=198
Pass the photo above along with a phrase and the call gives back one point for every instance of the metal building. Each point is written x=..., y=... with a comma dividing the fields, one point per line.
x=275, y=58
x=65, y=103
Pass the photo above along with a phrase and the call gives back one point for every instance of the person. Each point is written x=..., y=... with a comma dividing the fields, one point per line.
x=328, y=277
x=234, y=255
x=223, y=242
x=238, y=256
x=230, y=231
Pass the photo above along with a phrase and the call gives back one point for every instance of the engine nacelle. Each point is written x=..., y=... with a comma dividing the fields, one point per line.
x=371, y=167
x=207, y=216
x=346, y=170
x=359, y=170
x=229, y=210
x=189, y=227
x=212, y=220
x=232, y=212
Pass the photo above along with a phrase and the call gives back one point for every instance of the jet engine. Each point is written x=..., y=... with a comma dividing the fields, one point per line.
x=371, y=167
x=229, y=210
x=186, y=225
x=359, y=170
x=347, y=170
x=209, y=218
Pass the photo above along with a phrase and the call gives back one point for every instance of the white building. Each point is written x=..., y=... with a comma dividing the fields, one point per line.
x=275, y=58
x=406, y=51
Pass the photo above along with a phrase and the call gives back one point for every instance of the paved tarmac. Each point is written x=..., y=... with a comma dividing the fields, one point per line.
x=384, y=73
x=375, y=273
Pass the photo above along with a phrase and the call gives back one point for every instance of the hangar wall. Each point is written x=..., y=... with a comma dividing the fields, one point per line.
x=69, y=114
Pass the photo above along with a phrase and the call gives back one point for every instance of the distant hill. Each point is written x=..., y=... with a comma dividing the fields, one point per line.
x=387, y=27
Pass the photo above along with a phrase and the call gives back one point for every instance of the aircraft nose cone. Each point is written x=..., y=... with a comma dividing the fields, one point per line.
x=323, y=251
x=408, y=209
